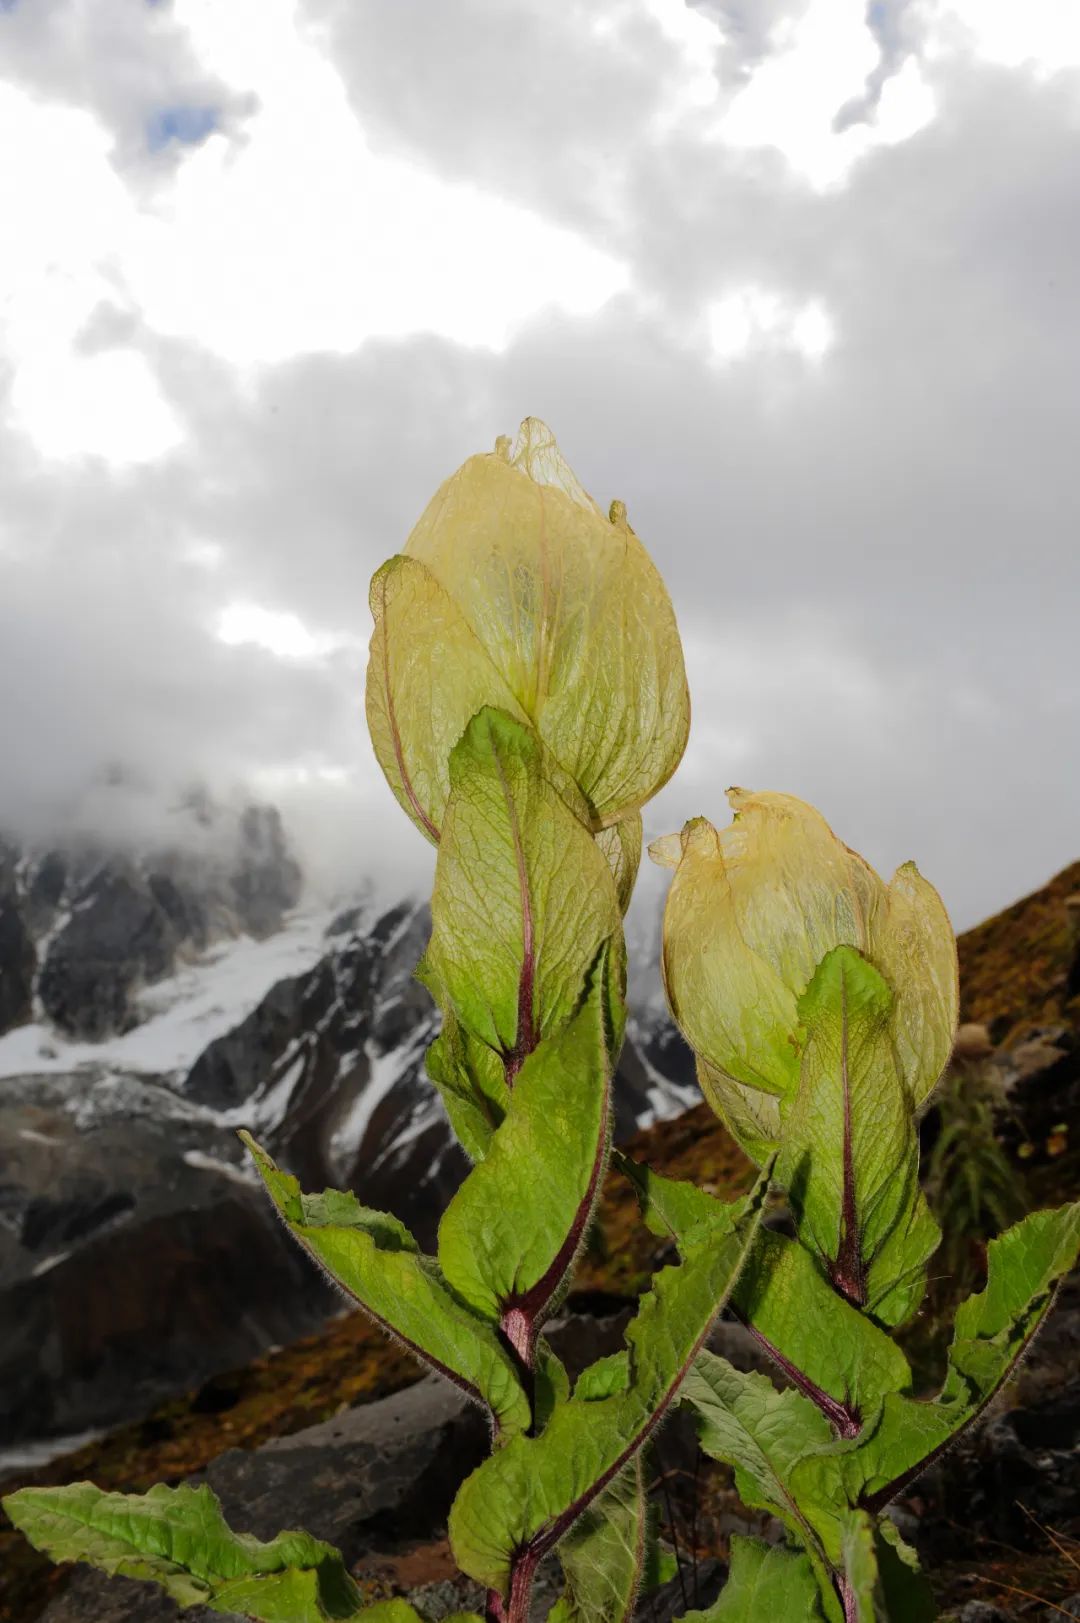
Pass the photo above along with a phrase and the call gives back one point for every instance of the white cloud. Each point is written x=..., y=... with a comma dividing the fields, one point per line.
x=818, y=65
x=1039, y=34
x=64, y=216
x=374, y=264
x=292, y=238
x=750, y=319
x=107, y=406
x=282, y=634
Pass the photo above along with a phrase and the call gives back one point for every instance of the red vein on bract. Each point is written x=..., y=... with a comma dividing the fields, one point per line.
x=847, y=1270
x=526, y=1036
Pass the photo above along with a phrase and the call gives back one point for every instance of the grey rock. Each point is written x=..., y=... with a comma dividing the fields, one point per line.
x=372, y=1479
x=46, y=882
x=374, y=1482
x=116, y=938
x=18, y=962
x=980, y=1611
x=266, y=880
x=135, y=1258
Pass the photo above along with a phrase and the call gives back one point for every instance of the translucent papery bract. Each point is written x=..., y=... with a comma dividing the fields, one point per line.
x=912, y=944
x=796, y=893
x=752, y=911
x=733, y=1008
x=571, y=613
x=621, y=846
x=751, y=1116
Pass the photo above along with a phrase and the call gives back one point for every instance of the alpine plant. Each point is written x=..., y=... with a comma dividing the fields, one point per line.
x=526, y=696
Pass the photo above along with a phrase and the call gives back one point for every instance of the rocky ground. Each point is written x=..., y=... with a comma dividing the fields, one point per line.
x=329, y=1425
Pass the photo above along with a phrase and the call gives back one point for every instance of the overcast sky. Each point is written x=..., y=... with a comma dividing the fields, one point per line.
x=797, y=281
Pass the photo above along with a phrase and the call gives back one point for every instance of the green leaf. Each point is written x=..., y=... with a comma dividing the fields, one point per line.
x=604, y=1554
x=881, y=1579
x=993, y=1328
x=524, y=898
x=604, y=1378
x=532, y=1491
x=744, y=1421
x=860, y=1568
x=551, y=1383
x=510, y=1234
x=831, y=1351
x=471, y=1080
x=850, y=1156
x=905, y=1593
x=673, y=1208
x=178, y=1538
x=374, y=1258
x=766, y=1584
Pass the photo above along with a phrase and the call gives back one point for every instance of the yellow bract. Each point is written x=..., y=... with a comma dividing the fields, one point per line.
x=516, y=591
x=752, y=910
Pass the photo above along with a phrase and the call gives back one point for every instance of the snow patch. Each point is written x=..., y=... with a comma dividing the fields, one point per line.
x=181, y=1015
x=29, y=1456
x=48, y=1263
x=211, y=1163
x=386, y=1070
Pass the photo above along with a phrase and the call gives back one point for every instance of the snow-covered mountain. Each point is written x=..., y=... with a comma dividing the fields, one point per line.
x=146, y=1021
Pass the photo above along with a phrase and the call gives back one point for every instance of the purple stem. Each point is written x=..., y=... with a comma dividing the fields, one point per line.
x=844, y=1417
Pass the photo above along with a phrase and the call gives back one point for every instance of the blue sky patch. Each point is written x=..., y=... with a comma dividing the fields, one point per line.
x=186, y=125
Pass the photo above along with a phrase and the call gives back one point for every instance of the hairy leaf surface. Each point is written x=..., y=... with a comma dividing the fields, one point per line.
x=992, y=1329
x=178, y=1538
x=604, y=1554
x=860, y=1567
x=523, y=897
x=471, y=1080
x=510, y=1233
x=831, y=1351
x=766, y=1584
x=850, y=1157
x=375, y=1259
x=530, y=1493
x=744, y=1421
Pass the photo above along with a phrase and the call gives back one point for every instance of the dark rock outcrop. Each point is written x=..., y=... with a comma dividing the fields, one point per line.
x=116, y=938
x=134, y=1257
x=107, y=924
x=266, y=880
x=384, y=1472
x=18, y=961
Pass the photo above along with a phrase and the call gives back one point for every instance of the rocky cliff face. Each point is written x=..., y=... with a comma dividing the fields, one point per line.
x=83, y=929
x=156, y=1005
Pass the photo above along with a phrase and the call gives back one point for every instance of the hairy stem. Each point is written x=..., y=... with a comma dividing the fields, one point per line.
x=515, y=1609
x=847, y=1596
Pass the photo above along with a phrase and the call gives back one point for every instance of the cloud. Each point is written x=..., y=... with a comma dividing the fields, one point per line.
x=792, y=281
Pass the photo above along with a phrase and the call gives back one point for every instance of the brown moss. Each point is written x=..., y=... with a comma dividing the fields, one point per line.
x=1014, y=967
